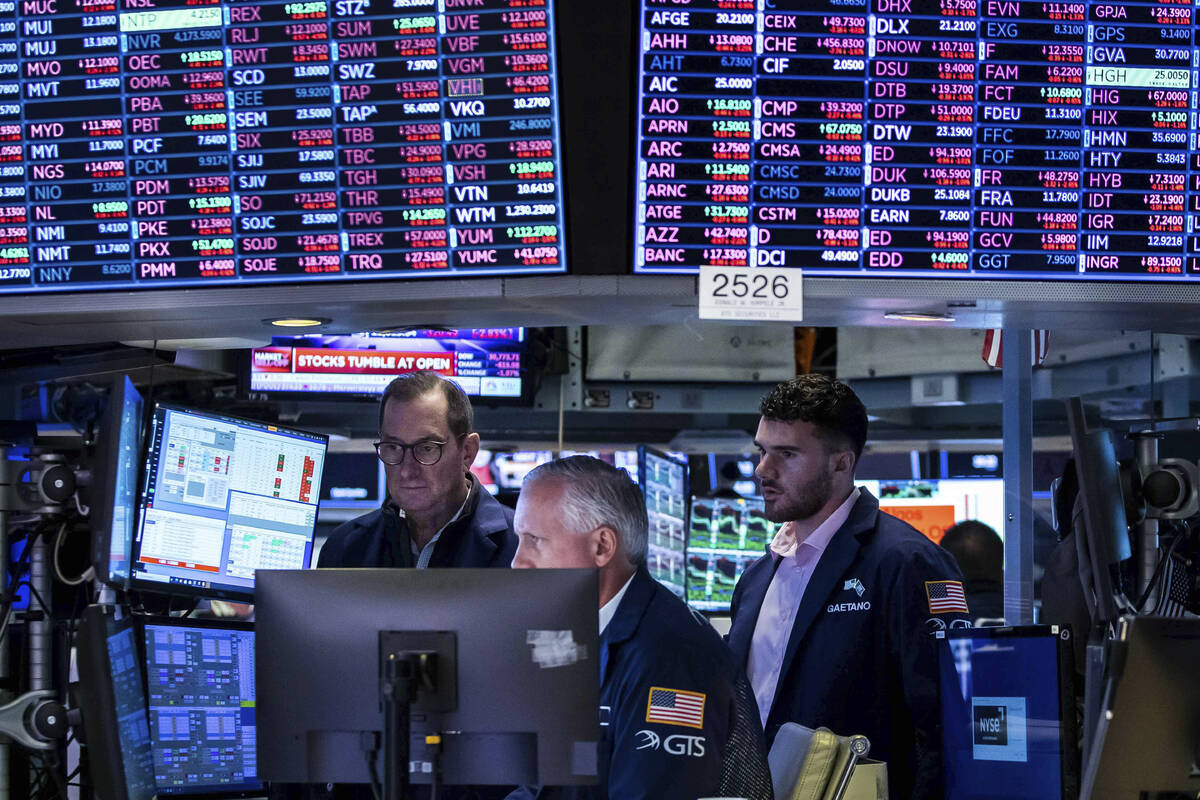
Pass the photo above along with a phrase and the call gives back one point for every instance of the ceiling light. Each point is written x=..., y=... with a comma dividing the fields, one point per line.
x=298, y=322
x=919, y=316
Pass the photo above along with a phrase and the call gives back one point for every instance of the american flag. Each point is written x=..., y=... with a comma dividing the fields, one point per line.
x=1174, y=591
x=675, y=707
x=993, y=350
x=946, y=597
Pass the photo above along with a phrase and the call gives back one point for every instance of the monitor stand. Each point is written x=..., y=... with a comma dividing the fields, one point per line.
x=418, y=669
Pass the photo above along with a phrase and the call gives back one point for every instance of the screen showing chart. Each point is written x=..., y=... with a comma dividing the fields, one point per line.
x=154, y=143
x=485, y=362
x=223, y=498
x=200, y=685
x=726, y=536
x=992, y=138
x=664, y=483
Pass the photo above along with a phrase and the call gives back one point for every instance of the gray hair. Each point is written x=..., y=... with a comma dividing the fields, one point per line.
x=595, y=494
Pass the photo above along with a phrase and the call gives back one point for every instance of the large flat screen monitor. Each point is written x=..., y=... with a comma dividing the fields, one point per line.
x=223, y=143
x=933, y=506
x=1148, y=734
x=117, y=461
x=223, y=497
x=664, y=484
x=877, y=138
x=112, y=699
x=201, y=699
x=488, y=363
x=726, y=535
x=1009, y=727
x=525, y=709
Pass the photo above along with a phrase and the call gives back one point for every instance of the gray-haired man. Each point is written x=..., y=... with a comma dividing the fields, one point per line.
x=679, y=720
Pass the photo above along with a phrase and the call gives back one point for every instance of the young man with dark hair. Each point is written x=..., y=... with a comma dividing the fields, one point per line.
x=436, y=513
x=835, y=623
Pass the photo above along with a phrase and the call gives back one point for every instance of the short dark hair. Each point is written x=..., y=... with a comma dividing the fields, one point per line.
x=460, y=416
x=830, y=406
x=977, y=548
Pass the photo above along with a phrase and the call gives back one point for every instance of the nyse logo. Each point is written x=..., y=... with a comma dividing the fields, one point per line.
x=677, y=745
x=991, y=725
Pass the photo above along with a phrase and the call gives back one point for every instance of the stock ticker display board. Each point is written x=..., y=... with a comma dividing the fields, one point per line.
x=998, y=138
x=188, y=142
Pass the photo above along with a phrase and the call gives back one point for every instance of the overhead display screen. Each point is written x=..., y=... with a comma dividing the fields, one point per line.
x=485, y=362
x=152, y=143
x=997, y=138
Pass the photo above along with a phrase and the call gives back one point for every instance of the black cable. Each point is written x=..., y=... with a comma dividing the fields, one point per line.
x=373, y=771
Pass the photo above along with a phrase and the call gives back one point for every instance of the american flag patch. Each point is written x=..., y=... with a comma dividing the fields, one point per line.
x=675, y=707
x=946, y=597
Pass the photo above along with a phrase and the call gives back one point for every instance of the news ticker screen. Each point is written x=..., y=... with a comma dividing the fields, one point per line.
x=155, y=143
x=485, y=362
x=996, y=138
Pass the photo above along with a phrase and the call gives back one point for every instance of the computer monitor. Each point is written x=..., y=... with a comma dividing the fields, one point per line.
x=1008, y=713
x=353, y=480
x=664, y=483
x=112, y=702
x=726, y=535
x=934, y=506
x=524, y=660
x=113, y=496
x=200, y=697
x=1148, y=733
x=1106, y=528
x=224, y=497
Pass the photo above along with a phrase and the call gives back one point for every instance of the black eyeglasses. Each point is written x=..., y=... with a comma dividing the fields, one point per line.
x=427, y=453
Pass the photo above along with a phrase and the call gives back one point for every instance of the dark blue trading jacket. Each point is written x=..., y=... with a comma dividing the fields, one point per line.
x=667, y=694
x=482, y=537
x=861, y=658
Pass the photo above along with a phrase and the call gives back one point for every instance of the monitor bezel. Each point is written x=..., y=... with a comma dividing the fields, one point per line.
x=158, y=416
x=1068, y=725
x=140, y=623
x=108, y=761
x=104, y=484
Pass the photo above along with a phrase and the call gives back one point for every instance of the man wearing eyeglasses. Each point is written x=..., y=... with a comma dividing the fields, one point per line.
x=436, y=513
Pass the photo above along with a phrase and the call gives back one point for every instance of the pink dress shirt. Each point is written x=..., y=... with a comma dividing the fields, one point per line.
x=782, y=601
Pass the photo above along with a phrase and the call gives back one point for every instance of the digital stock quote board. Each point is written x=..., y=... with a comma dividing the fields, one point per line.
x=184, y=142
x=998, y=138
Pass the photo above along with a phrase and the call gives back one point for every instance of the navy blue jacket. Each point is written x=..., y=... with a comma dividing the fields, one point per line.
x=861, y=658
x=482, y=537
x=656, y=648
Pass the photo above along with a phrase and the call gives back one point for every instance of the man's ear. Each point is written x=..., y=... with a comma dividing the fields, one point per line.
x=843, y=461
x=470, y=450
x=604, y=543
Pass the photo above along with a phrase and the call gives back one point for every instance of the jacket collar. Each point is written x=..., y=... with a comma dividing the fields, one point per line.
x=625, y=622
x=471, y=539
x=838, y=556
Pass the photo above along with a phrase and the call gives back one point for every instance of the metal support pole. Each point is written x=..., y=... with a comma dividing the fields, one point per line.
x=1145, y=448
x=1017, y=382
x=40, y=645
